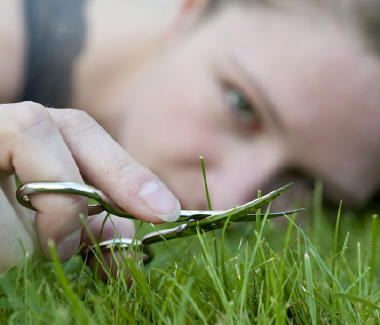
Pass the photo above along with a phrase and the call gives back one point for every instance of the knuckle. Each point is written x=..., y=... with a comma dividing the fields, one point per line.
x=124, y=167
x=26, y=116
x=75, y=122
x=132, y=174
x=75, y=117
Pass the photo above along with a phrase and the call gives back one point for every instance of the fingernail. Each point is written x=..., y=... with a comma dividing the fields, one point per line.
x=160, y=200
x=68, y=245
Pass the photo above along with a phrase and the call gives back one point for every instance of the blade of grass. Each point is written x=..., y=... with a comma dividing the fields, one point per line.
x=317, y=211
x=99, y=257
x=212, y=272
x=78, y=307
x=190, y=299
x=359, y=268
x=222, y=253
x=310, y=290
x=248, y=267
x=216, y=254
x=336, y=233
x=375, y=232
x=205, y=183
x=358, y=299
x=258, y=213
x=324, y=268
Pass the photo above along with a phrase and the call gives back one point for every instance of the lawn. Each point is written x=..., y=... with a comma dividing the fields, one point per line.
x=321, y=268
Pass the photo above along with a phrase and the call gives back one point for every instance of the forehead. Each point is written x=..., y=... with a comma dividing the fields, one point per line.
x=307, y=64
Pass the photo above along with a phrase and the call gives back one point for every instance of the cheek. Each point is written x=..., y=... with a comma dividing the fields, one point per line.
x=346, y=166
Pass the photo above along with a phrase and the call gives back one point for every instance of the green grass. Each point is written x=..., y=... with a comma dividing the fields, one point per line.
x=325, y=271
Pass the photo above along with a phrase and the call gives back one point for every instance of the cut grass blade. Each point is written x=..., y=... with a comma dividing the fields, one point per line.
x=205, y=183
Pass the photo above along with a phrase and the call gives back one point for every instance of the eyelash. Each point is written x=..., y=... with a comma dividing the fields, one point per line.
x=243, y=111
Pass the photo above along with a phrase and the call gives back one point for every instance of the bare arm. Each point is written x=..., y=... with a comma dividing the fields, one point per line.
x=12, y=48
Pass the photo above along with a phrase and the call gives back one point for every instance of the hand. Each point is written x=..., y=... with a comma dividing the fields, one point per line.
x=41, y=144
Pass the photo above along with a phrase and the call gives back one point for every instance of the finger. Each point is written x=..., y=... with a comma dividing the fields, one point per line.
x=110, y=168
x=113, y=227
x=15, y=240
x=32, y=146
x=26, y=216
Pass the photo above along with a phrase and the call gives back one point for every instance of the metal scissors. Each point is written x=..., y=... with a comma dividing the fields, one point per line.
x=190, y=221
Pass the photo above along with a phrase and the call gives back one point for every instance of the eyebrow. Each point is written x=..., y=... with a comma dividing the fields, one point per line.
x=264, y=98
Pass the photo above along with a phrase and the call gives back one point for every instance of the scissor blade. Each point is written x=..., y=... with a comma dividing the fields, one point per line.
x=215, y=219
x=187, y=215
x=167, y=234
x=195, y=214
x=242, y=210
x=253, y=216
x=186, y=229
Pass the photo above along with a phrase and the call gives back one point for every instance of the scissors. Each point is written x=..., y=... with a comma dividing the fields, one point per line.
x=190, y=221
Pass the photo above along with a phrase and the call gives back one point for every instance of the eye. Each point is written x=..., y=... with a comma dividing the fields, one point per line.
x=242, y=109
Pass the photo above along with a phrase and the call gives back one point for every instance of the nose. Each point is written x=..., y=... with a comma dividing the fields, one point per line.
x=238, y=182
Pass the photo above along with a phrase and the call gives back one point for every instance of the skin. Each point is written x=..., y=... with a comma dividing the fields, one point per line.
x=310, y=95
x=319, y=77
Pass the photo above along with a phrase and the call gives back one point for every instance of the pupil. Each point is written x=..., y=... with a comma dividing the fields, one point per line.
x=241, y=103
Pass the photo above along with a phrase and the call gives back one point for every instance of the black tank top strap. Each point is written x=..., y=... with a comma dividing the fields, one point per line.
x=55, y=33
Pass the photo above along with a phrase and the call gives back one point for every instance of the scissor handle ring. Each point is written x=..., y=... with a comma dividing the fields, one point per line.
x=103, y=202
x=124, y=243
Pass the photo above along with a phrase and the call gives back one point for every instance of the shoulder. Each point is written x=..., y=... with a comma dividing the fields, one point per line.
x=12, y=49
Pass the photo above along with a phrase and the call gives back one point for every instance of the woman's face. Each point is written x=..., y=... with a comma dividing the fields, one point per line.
x=255, y=92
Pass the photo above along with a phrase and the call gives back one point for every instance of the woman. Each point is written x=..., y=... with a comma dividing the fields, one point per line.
x=254, y=86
